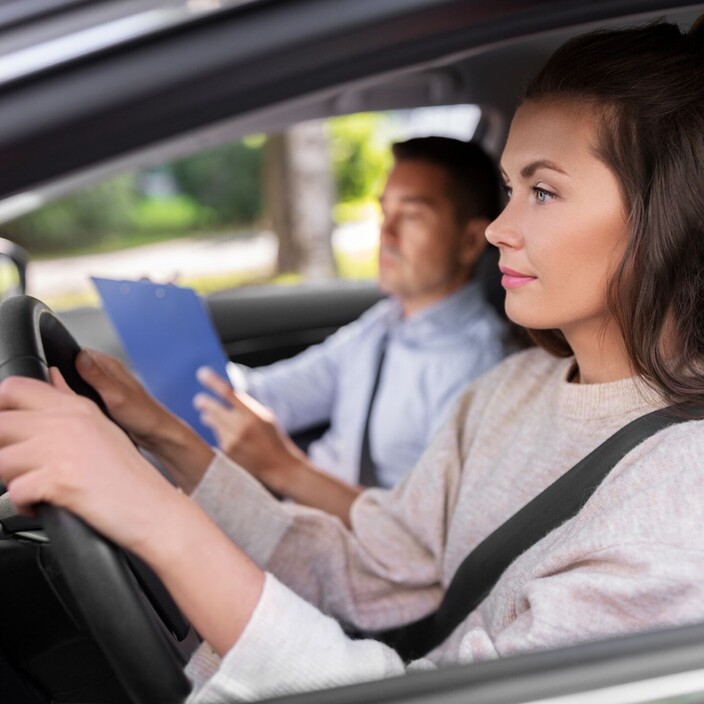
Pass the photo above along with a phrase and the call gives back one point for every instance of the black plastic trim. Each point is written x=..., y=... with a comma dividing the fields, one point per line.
x=252, y=56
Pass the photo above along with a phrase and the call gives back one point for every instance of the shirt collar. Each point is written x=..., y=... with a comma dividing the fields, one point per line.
x=435, y=318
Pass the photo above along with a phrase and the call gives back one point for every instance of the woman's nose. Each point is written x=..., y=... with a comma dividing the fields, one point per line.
x=503, y=230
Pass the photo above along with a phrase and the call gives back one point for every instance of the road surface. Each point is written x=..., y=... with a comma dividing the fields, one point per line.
x=223, y=254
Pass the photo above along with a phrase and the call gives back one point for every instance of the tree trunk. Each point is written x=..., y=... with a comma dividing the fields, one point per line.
x=299, y=196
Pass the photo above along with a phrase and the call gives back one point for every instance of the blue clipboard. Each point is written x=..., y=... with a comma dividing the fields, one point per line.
x=167, y=334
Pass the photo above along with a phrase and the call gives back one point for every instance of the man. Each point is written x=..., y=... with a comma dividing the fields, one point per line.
x=384, y=382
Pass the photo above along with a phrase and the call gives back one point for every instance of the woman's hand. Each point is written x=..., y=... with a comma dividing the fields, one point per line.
x=130, y=405
x=247, y=432
x=58, y=447
x=179, y=448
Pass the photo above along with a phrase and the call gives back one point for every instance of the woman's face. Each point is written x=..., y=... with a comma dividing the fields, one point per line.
x=564, y=229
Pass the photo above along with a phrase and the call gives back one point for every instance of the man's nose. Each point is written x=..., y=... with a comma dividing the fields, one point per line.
x=388, y=231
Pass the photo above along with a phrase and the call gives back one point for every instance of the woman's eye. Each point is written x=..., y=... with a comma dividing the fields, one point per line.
x=542, y=195
x=507, y=190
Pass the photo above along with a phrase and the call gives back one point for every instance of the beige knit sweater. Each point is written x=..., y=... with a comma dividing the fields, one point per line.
x=632, y=559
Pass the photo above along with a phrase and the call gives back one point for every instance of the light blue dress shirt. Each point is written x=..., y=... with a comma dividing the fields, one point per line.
x=430, y=357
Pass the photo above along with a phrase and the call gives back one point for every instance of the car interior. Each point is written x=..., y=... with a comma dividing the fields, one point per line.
x=97, y=627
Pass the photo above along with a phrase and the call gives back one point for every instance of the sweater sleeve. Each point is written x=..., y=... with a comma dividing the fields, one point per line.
x=386, y=571
x=627, y=562
x=289, y=646
x=352, y=577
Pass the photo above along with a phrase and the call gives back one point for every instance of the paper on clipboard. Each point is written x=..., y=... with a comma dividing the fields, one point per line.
x=167, y=335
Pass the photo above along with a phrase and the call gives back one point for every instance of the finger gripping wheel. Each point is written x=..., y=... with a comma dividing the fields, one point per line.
x=105, y=591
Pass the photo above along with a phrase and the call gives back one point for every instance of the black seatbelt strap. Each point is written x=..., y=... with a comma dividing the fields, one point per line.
x=367, y=467
x=562, y=500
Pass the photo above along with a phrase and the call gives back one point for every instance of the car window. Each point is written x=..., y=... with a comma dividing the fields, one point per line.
x=287, y=207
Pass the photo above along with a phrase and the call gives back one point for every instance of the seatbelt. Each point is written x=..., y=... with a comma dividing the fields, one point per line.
x=562, y=500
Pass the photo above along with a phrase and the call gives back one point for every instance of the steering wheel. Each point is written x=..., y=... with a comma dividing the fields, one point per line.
x=97, y=573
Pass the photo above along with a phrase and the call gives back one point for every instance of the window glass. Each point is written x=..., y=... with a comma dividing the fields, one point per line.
x=288, y=207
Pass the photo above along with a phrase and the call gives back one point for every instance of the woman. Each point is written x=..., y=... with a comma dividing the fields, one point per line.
x=602, y=248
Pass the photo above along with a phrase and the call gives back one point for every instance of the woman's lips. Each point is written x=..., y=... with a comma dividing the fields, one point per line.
x=514, y=279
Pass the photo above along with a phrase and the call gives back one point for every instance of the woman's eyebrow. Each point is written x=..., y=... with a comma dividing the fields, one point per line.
x=528, y=170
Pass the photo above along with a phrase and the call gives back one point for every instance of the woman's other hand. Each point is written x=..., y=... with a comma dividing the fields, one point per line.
x=130, y=405
x=172, y=441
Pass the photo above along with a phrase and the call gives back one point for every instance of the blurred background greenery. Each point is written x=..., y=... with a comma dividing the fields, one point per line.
x=299, y=205
x=219, y=190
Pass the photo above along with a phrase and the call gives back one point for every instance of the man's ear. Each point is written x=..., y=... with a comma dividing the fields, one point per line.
x=473, y=240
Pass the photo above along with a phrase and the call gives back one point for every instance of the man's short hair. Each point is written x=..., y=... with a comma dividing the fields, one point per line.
x=472, y=173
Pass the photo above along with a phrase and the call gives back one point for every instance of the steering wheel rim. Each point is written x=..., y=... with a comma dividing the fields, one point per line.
x=105, y=591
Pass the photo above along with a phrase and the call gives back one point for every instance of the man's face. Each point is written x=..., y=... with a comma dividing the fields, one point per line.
x=425, y=254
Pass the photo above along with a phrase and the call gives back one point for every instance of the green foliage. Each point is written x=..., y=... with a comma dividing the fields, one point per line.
x=219, y=189
x=175, y=214
x=227, y=181
x=361, y=156
x=89, y=217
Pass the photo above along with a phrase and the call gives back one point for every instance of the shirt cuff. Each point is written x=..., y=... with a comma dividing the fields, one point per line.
x=289, y=646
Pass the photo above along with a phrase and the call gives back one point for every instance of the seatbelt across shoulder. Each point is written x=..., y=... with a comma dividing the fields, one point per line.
x=562, y=500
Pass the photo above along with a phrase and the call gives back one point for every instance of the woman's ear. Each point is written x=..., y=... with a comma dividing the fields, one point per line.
x=473, y=240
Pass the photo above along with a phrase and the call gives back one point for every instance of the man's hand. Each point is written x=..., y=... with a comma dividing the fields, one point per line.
x=247, y=432
x=147, y=422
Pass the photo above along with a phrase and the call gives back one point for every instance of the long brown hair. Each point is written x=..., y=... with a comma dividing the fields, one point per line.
x=647, y=86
